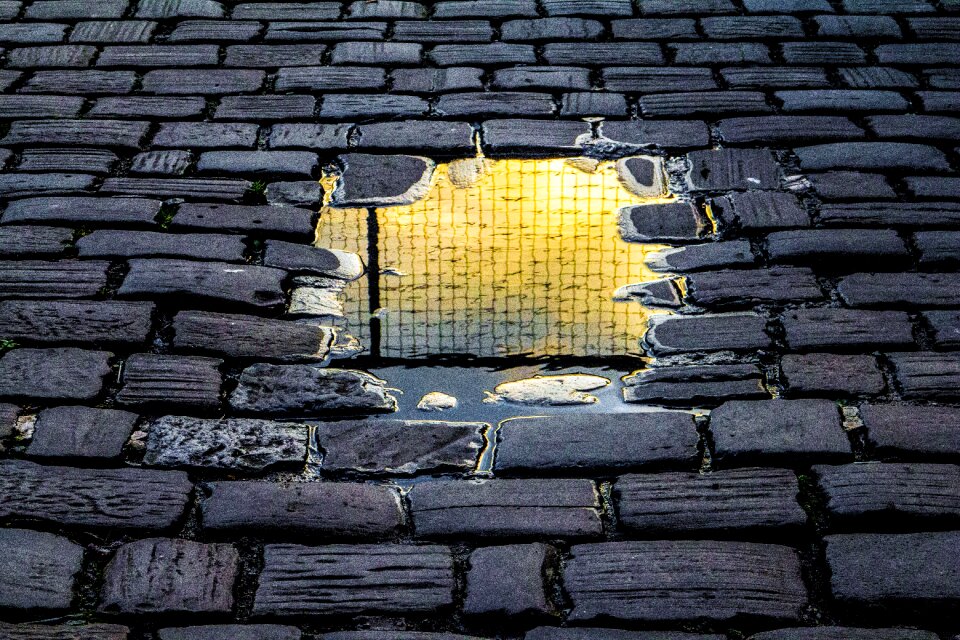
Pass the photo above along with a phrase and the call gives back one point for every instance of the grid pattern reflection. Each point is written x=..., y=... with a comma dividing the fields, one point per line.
x=508, y=258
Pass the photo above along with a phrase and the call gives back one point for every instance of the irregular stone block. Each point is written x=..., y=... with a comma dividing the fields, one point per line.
x=534, y=136
x=670, y=580
x=293, y=163
x=843, y=633
x=231, y=632
x=661, y=78
x=753, y=287
x=872, y=155
x=231, y=283
x=67, y=279
x=328, y=509
x=778, y=428
x=204, y=82
x=788, y=129
x=728, y=169
x=162, y=575
x=568, y=508
x=124, y=499
x=829, y=245
x=81, y=432
x=38, y=570
x=306, y=390
x=309, y=259
x=132, y=244
x=597, y=441
x=68, y=321
x=240, y=336
x=23, y=240
x=77, y=133
x=269, y=220
x=909, y=290
x=228, y=443
x=287, y=11
x=268, y=56
x=265, y=107
x=63, y=632
x=26, y=185
x=417, y=134
x=673, y=222
x=369, y=180
x=928, y=430
x=509, y=581
x=658, y=133
x=699, y=257
x=169, y=162
x=53, y=374
x=723, y=500
x=399, y=446
x=152, y=380
x=309, y=136
x=92, y=210
x=930, y=375
x=895, y=570
x=832, y=374
x=583, y=633
x=891, y=490
x=891, y=214
x=761, y=210
x=354, y=579
x=694, y=385
x=205, y=135
x=821, y=328
x=728, y=331
x=179, y=188
x=946, y=327
x=8, y=419
x=330, y=78
x=179, y=9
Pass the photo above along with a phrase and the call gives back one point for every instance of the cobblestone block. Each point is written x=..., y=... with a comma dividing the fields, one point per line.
x=851, y=185
x=170, y=162
x=376, y=53
x=53, y=374
x=306, y=259
x=354, y=579
x=591, y=103
x=326, y=509
x=728, y=169
x=177, y=188
x=179, y=9
x=265, y=107
x=761, y=210
x=872, y=156
x=443, y=31
x=925, y=430
x=913, y=126
x=891, y=489
x=20, y=106
x=205, y=135
x=180, y=55
x=828, y=373
x=778, y=428
x=421, y=135
x=30, y=33
x=274, y=56
x=913, y=214
x=221, y=30
x=287, y=11
x=102, y=322
x=124, y=499
x=511, y=508
x=666, y=581
x=99, y=161
x=825, y=328
x=382, y=180
x=596, y=441
x=309, y=136
x=704, y=102
x=230, y=443
x=930, y=375
x=723, y=500
x=386, y=9
x=918, y=54
x=541, y=78
x=205, y=82
x=843, y=633
x=38, y=570
x=583, y=633
x=151, y=380
x=68, y=55
x=470, y=9
x=229, y=283
x=307, y=390
x=498, y=103
x=303, y=193
x=655, y=29
x=934, y=187
x=361, y=106
x=63, y=632
x=752, y=287
x=946, y=327
x=161, y=575
x=30, y=241
x=36, y=279
x=657, y=78
x=674, y=222
x=287, y=163
x=509, y=580
x=455, y=55
x=82, y=432
x=703, y=53
x=399, y=447
x=877, y=77
x=147, y=106
x=75, y=9
x=694, y=385
x=136, y=244
x=8, y=419
x=239, y=336
x=729, y=331
x=126, y=31
x=770, y=76
x=94, y=133
x=898, y=290
x=823, y=53
x=427, y=80
x=786, y=129
x=891, y=570
x=330, y=78
x=231, y=632
x=938, y=247
x=698, y=257
x=22, y=185
x=288, y=222
x=663, y=133
x=883, y=246
x=551, y=29
x=601, y=53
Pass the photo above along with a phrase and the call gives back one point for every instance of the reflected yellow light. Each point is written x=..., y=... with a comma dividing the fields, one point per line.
x=522, y=258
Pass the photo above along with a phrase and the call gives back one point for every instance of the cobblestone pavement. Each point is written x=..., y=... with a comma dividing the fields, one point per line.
x=165, y=324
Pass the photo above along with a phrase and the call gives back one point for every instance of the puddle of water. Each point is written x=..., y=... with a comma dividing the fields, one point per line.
x=502, y=258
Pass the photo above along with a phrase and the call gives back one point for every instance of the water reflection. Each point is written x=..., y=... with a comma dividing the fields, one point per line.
x=502, y=258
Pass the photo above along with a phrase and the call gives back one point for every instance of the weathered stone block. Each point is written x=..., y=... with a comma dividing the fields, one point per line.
x=81, y=432
x=831, y=373
x=674, y=222
x=670, y=581
x=91, y=210
x=63, y=632
x=761, y=210
x=38, y=570
x=222, y=282
x=568, y=508
x=726, y=169
x=164, y=576
x=728, y=331
x=399, y=446
x=66, y=279
x=24, y=241
x=151, y=380
x=314, y=260
x=269, y=220
x=239, y=336
x=821, y=328
x=48, y=374
x=62, y=321
x=354, y=579
x=228, y=443
x=124, y=499
x=843, y=633
x=743, y=288
x=369, y=180
x=509, y=581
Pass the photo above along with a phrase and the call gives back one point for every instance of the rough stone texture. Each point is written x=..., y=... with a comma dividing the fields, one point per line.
x=78, y=322
x=732, y=169
x=279, y=221
x=508, y=580
x=930, y=375
x=227, y=283
x=843, y=633
x=675, y=222
x=47, y=374
x=329, y=509
x=567, y=508
x=667, y=581
x=695, y=385
x=307, y=390
x=161, y=575
x=342, y=579
x=596, y=441
x=231, y=632
x=582, y=633
x=825, y=328
x=84, y=210
x=63, y=632
x=239, y=336
x=891, y=489
x=917, y=568
x=229, y=443
x=132, y=244
x=730, y=331
x=81, y=432
x=68, y=279
x=8, y=417
x=399, y=446
x=830, y=373
x=116, y=498
x=722, y=500
x=927, y=430
x=380, y=180
x=38, y=570
x=779, y=428
x=761, y=210
x=735, y=288
x=313, y=260
x=152, y=380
